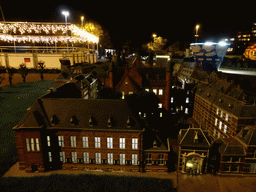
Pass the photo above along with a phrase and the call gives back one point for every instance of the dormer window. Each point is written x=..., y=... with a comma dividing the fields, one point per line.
x=196, y=138
x=154, y=144
x=74, y=121
x=109, y=122
x=91, y=122
x=128, y=123
x=54, y=120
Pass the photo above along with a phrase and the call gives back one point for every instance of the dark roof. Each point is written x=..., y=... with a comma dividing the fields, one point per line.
x=154, y=73
x=248, y=135
x=231, y=147
x=187, y=136
x=63, y=111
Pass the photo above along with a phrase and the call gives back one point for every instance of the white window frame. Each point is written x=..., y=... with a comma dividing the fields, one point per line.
x=37, y=145
x=98, y=158
x=62, y=156
x=110, y=158
x=28, y=144
x=74, y=157
x=97, y=142
x=32, y=144
x=50, y=156
x=155, y=91
x=172, y=99
x=226, y=117
x=122, y=159
x=86, y=157
x=147, y=90
x=186, y=110
x=216, y=121
x=122, y=143
x=217, y=111
x=134, y=159
x=73, y=141
x=61, y=141
x=187, y=99
x=220, y=125
x=160, y=105
x=135, y=142
x=85, y=142
x=110, y=142
x=48, y=141
x=160, y=92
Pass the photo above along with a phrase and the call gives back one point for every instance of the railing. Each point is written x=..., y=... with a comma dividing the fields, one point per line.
x=42, y=49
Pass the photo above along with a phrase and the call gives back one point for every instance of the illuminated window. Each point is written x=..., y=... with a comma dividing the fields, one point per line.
x=171, y=99
x=110, y=158
x=32, y=144
x=187, y=100
x=217, y=111
x=130, y=92
x=214, y=132
x=73, y=141
x=50, y=156
x=134, y=143
x=221, y=114
x=122, y=94
x=160, y=92
x=225, y=128
x=85, y=141
x=147, y=90
x=122, y=143
x=97, y=142
x=155, y=91
x=48, y=141
x=220, y=125
x=160, y=105
x=61, y=141
x=186, y=110
x=86, y=157
x=161, y=114
x=226, y=117
x=74, y=157
x=62, y=156
x=110, y=142
x=28, y=145
x=37, y=145
x=216, y=121
x=218, y=135
x=122, y=159
x=134, y=159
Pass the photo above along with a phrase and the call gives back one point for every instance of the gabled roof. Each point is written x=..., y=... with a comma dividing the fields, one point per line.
x=187, y=137
x=66, y=110
x=248, y=135
x=231, y=147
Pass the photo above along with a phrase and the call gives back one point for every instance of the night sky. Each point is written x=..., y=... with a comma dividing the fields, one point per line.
x=137, y=20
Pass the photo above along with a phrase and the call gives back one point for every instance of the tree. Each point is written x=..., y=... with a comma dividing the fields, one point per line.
x=157, y=44
x=41, y=66
x=10, y=71
x=93, y=28
x=23, y=71
x=174, y=49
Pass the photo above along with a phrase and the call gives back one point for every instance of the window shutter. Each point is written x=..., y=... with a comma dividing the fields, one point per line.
x=126, y=162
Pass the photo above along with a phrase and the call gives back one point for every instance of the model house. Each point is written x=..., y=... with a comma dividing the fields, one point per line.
x=86, y=134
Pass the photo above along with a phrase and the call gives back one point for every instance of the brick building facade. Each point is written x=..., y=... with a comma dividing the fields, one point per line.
x=104, y=135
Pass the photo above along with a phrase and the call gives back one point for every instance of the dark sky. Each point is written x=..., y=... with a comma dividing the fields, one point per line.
x=137, y=20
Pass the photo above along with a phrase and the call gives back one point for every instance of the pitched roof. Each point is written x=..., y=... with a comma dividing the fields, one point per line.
x=231, y=147
x=248, y=135
x=66, y=110
x=187, y=136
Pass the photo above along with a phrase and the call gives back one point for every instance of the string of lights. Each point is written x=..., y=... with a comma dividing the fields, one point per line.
x=33, y=32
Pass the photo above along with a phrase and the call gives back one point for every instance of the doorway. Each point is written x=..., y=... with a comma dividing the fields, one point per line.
x=34, y=168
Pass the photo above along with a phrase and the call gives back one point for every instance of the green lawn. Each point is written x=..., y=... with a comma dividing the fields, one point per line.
x=14, y=102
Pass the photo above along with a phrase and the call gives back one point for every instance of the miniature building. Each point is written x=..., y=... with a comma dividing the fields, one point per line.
x=73, y=133
x=194, y=146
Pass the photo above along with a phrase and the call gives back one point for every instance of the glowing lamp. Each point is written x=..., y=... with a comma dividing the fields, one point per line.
x=208, y=43
x=65, y=13
x=189, y=165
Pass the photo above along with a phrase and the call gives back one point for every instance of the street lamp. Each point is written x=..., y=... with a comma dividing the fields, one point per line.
x=66, y=14
x=82, y=20
x=154, y=35
x=197, y=26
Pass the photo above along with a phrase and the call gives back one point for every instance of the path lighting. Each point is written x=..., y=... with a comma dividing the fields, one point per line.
x=197, y=26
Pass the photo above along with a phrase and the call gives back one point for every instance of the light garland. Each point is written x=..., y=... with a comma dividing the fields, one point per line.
x=9, y=30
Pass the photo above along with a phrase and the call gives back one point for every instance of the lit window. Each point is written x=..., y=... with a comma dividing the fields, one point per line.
x=74, y=157
x=27, y=143
x=171, y=99
x=186, y=110
x=160, y=105
x=37, y=145
x=221, y=114
x=161, y=159
x=187, y=100
x=134, y=143
x=161, y=114
x=110, y=158
x=214, y=132
x=122, y=94
x=217, y=111
x=50, y=156
x=98, y=158
x=62, y=156
x=97, y=142
x=220, y=125
x=122, y=143
x=216, y=121
x=148, y=159
x=110, y=142
x=85, y=141
x=225, y=128
x=48, y=141
x=147, y=90
x=226, y=117
x=61, y=141
x=187, y=92
x=122, y=159
x=160, y=92
x=155, y=91
x=86, y=157
x=134, y=159
x=32, y=144
x=130, y=92
x=73, y=141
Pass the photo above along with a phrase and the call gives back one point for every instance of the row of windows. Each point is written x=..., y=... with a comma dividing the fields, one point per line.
x=218, y=112
x=110, y=159
x=159, y=91
x=31, y=143
x=85, y=142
